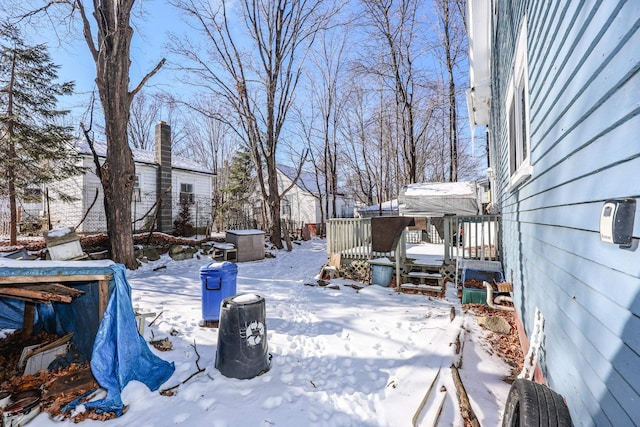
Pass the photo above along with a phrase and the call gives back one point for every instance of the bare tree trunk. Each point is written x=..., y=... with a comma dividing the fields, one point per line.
x=449, y=63
x=274, y=205
x=118, y=171
x=395, y=25
x=259, y=88
x=359, y=158
x=11, y=178
x=111, y=54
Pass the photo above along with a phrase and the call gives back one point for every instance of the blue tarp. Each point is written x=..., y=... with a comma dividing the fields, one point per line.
x=119, y=353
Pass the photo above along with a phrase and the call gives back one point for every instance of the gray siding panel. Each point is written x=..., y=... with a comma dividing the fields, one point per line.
x=598, y=186
x=584, y=82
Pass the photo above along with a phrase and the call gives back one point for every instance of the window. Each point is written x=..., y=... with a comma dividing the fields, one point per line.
x=518, y=114
x=136, y=189
x=285, y=207
x=186, y=193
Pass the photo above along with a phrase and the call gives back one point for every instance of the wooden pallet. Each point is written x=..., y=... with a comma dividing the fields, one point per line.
x=420, y=287
x=424, y=278
x=424, y=275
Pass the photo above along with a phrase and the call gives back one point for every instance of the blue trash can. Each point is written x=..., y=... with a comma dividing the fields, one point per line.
x=218, y=282
x=381, y=275
x=381, y=271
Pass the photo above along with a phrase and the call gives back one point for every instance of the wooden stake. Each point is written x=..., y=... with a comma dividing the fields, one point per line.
x=27, y=320
x=414, y=420
x=465, y=405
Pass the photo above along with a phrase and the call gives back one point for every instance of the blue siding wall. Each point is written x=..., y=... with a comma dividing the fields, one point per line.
x=584, y=98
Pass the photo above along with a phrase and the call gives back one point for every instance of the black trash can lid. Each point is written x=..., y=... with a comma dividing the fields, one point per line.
x=246, y=298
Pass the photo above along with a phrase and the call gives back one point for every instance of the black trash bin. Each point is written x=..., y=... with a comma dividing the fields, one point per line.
x=218, y=282
x=242, y=337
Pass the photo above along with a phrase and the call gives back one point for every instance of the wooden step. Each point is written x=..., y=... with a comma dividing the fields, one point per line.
x=420, y=287
x=424, y=275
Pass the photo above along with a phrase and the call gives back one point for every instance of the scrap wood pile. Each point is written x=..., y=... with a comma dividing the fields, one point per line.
x=55, y=389
x=473, y=283
x=157, y=239
x=34, y=245
x=506, y=346
x=100, y=241
x=163, y=239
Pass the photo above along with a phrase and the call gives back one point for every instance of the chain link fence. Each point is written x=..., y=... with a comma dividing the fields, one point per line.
x=87, y=214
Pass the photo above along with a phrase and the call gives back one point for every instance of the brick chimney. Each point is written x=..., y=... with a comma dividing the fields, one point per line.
x=163, y=158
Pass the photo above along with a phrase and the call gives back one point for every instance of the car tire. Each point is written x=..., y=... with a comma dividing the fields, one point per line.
x=534, y=405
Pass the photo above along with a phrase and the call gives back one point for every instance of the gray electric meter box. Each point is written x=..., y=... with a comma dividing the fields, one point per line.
x=616, y=221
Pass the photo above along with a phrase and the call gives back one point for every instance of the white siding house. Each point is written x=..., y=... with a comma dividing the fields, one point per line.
x=188, y=180
x=302, y=202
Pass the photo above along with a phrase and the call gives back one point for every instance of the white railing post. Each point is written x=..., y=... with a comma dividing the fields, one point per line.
x=447, y=240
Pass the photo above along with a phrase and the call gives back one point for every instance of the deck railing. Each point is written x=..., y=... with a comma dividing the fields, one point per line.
x=468, y=237
x=351, y=238
x=472, y=237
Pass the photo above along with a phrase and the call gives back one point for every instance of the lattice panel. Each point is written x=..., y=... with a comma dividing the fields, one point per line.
x=449, y=272
x=356, y=270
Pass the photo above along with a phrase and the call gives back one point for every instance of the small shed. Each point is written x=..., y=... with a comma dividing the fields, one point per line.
x=437, y=199
x=95, y=304
x=249, y=244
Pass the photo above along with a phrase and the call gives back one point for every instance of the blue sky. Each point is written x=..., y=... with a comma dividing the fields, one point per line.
x=151, y=29
x=152, y=21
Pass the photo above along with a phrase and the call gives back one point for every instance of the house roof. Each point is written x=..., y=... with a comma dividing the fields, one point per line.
x=390, y=205
x=144, y=156
x=306, y=181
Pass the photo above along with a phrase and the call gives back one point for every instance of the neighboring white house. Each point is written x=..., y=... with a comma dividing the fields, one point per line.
x=302, y=203
x=188, y=181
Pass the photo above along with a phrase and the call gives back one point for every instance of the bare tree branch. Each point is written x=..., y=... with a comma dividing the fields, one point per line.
x=257, y=83
x=147, y=77
x=95, y=199
x=199, y=370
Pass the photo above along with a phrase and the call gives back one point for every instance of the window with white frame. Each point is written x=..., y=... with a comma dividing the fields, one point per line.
x=285, y=206
x=186, y=193
x=518, y=114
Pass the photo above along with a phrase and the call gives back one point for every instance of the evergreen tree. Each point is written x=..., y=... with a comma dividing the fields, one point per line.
x=33, y=149
x=182, y=226
x=240, y=186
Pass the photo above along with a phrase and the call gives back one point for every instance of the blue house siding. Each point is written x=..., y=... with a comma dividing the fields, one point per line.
x=584, y=126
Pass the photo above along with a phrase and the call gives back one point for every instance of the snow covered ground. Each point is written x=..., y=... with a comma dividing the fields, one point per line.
x=340, y=357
